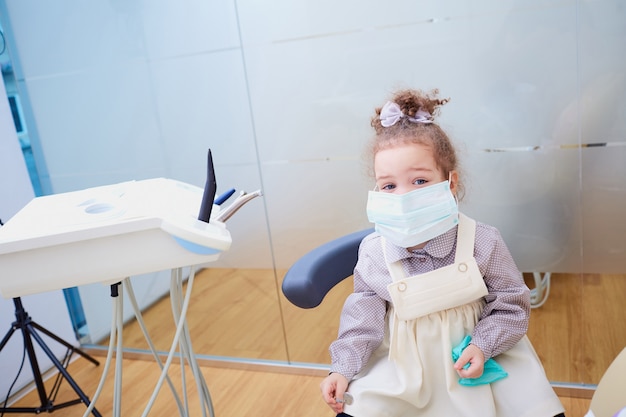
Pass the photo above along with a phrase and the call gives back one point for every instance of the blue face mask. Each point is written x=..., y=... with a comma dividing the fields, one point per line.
x=415, y=217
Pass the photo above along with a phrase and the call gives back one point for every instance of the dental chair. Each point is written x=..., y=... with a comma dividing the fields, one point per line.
x=313, y=275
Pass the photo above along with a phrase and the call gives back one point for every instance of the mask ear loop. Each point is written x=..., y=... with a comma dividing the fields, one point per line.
x=453, y=194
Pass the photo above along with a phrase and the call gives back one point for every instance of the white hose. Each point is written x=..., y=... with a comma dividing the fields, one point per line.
x=170, y=356
x=186, y=347
x=539, y=294
x=107, y=363
x=142, y=325
x=181, y=338
x=119, y=353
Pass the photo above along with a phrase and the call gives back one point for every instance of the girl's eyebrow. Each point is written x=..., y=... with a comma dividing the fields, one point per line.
x=420, y=169
x=412, y=170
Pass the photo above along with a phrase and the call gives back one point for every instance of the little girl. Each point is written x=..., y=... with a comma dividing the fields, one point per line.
x=437, y=321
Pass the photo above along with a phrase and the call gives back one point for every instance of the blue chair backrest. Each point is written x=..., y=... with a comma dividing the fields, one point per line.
x=309, y=279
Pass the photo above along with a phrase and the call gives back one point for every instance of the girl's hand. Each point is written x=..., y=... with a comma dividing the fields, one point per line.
x=475, y=357
x=333, y=387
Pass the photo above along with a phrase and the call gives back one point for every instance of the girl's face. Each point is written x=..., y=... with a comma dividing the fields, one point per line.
x=406, y=167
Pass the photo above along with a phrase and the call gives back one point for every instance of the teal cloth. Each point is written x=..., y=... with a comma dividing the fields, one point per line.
x=492, y=372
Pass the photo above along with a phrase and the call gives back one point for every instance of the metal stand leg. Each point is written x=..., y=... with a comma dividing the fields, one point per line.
x=28, y=328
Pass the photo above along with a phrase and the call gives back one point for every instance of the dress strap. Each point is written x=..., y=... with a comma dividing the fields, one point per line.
x=395, y=268
x=441, y=289
x=466, y=234
x=465, y=239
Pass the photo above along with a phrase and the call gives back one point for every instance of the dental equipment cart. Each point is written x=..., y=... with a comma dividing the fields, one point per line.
x=108, y=234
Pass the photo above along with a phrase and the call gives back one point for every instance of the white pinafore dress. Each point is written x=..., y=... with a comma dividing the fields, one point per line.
x=411, y=374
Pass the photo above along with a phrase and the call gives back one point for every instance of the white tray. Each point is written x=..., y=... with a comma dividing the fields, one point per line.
x=105, y=234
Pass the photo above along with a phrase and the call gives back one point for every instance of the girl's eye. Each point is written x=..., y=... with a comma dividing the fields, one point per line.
x=419, y=181
x=388, y=187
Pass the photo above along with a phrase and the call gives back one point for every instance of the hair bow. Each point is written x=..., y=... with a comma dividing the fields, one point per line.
x=391, y=113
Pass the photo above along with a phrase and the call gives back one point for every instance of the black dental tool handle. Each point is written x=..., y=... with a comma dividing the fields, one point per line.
x=210, y=188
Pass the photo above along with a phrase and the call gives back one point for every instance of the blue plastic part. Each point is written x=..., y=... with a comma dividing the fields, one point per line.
x=196, y=248
x=309, y=279
x=219, y=200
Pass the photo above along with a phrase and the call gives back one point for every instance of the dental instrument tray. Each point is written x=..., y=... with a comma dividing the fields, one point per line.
x=105, y=234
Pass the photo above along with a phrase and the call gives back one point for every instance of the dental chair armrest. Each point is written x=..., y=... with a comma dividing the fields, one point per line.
x=309, y=279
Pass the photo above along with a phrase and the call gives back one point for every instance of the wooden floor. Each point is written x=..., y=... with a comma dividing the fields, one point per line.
x=234, y=393
x=577, y=332
x=574, y=333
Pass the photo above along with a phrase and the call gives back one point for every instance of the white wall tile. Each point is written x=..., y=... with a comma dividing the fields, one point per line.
x=101, y=120
x=285, y=21
x=314, y=98
x=202, y=103
x=174, y=29
x=69, y=35
x=312, y=202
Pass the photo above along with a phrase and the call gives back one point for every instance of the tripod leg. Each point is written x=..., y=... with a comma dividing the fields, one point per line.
x=6, y=337
x=60, y=367
x=45, y=404
x=34, y=364
x=64, y=343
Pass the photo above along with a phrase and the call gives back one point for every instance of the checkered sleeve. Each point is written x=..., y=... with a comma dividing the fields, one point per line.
x=362, y=323
x=504, y=320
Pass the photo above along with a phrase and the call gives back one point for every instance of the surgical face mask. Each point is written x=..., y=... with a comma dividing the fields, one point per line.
x=409, y=219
